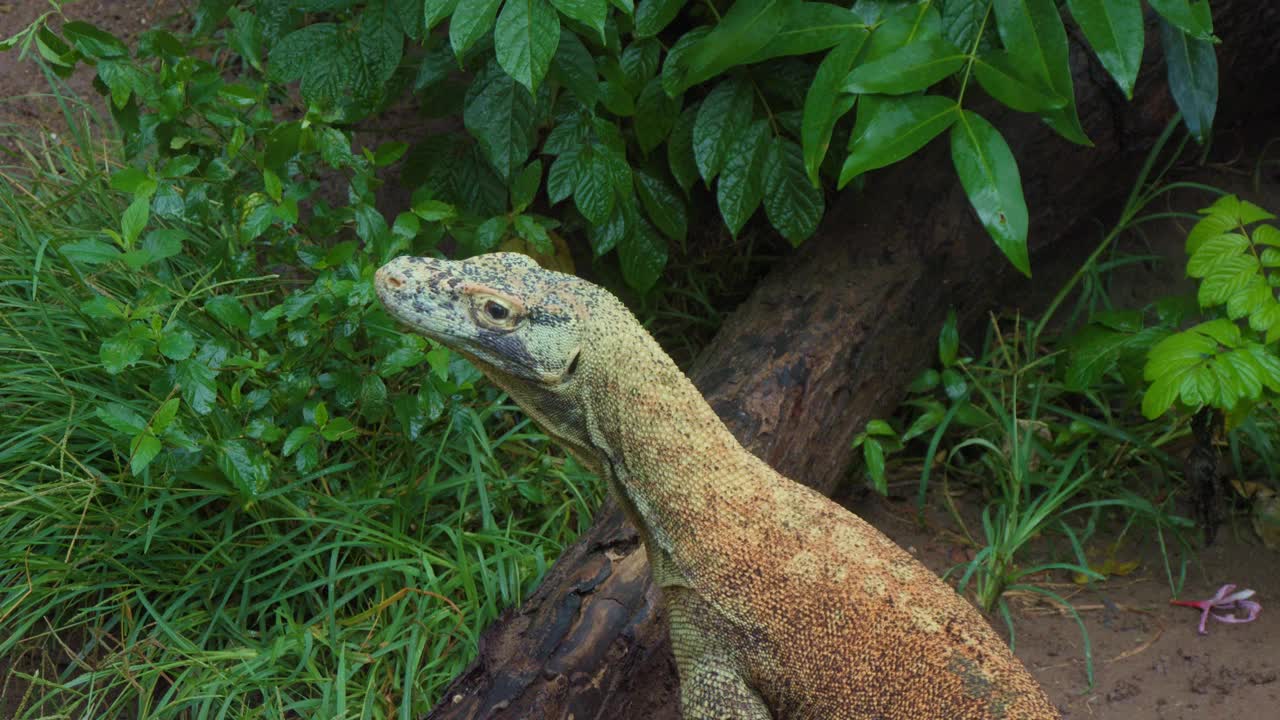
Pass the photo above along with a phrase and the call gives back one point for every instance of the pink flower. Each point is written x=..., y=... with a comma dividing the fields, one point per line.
x=1226, y=600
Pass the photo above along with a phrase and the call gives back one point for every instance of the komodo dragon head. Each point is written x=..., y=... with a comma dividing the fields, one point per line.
x=526, y=327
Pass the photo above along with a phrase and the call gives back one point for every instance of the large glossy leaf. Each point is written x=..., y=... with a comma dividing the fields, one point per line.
x=680, y=154
x=747, y=27
x=810, y=27
x=990, y=178
x=909, y=69
x=525, y=40
x=588, y=12
x=656, y=114
x=825, y=104
x=1033, y=34
x=1005, y=81
x=1193, y=78
x=1190, y=16
x=1114, y=30
x=469, y=22
x=593, y=194
x=741, y=185
x=891, y=128
x=499, y=114
x=721, y=118
x=654, y=15
x=642, y=253
x=794, y=206
x=576, y=69
x=663, y=204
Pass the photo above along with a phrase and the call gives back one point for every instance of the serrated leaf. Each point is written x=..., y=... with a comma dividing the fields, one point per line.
x=121, y=418
x=606, y=237
x=320, y=56
x=1228, y=276
x=469, y=22
x=656, y=114
x=1237, y=210
x=663, y=205
x=642, y=253
x=244, y=465
x=741, y=185
x=593, y=195
x=1215, y=250
x=438, y=359
x=745, y=28
x=990, y=178
x=680, y=154
x=536, y=235
x=526, y=186
x=794, y=206
x=177, y=345
x=229, y=310
x=910, y=69
x=197, y=381
x=654, y=15
x=892, y=128
x=824, y=104
x=1115, y=32
x=721, y=120
x=591, y=13
x=121, y=350
x=499, y=115
x=562, y=178
x=1159, y=396
x=142, y=450
x=525, y=40
x=576, y=69
x=296, y=438
x=339, y=429
x=1192, y=67
x=490, y=233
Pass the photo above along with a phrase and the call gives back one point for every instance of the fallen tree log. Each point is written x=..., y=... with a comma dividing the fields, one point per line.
x=825, y=342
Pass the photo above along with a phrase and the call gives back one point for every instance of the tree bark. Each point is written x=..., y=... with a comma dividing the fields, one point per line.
x=827, y=341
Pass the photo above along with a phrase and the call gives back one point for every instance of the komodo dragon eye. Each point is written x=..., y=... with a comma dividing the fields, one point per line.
x=496, y=311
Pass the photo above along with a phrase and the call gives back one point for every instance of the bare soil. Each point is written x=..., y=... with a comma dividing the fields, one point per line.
x=1150, y=663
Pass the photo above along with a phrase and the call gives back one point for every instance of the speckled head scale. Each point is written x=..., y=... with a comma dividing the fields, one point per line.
x=501, y=309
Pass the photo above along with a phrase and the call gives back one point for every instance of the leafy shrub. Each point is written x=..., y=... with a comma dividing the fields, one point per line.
x=624, y=106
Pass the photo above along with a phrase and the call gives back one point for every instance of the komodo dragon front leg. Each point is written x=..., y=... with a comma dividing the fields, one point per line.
x=782, y=604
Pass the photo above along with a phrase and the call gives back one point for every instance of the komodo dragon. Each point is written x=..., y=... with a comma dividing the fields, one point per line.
x=782, y=604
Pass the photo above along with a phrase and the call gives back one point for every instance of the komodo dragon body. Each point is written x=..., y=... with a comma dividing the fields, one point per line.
x=781, y=603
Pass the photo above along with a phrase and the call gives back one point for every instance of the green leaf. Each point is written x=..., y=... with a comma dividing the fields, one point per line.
x=1227, y=277
x=134, y=220
x=1192, y=17
x=121, y=418
x=824, y=104
x=654, y=15
x=949, y=340
x=1236, y=210
x=536, y=235
x=142, y=450
x=794, y=206
x=1214, y=251
x=672, y=66
x=525, y=40
x=319, y=55
x=873, y=455
x=722, y=117
x=576, y=69
x=469, y=22
x=642, y=254
x=339, y=429
x=93, y=42
x=593, y=195
x=121, y=351
x=656, y=114
x=910, y=69
x=606, y=237
x=1159, y=396
x=588, y=12
x=199, y=389
x=296, y=438
x=1033, y=34
x=562, y=178
x=953, y=384
x=810, y=27
x=165, y=414
x=663, y=205
x=925, y=422
x=244, y=465
x=745, y=28
x=526, y=186
x=177, y=345
x=990, y=178
x=436, y=10
x=229, y=310
x=499, y=115
x=1193, y=79
x=741, y=185
x=1003, y=80
x=680, y=154
x=379, y=46
x=101, y=307
x=892, y=128
x=89, y=252
x=1114, y=29
x=438, y=359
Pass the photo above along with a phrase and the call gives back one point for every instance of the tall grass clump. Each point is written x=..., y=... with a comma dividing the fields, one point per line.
x=229, y=486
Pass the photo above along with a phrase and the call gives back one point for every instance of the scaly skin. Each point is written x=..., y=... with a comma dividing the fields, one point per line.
x=782, y=603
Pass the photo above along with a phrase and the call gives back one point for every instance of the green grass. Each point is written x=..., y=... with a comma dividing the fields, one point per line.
x=196, y=585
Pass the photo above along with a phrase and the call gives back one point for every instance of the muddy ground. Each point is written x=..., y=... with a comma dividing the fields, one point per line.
x=1150, y=663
